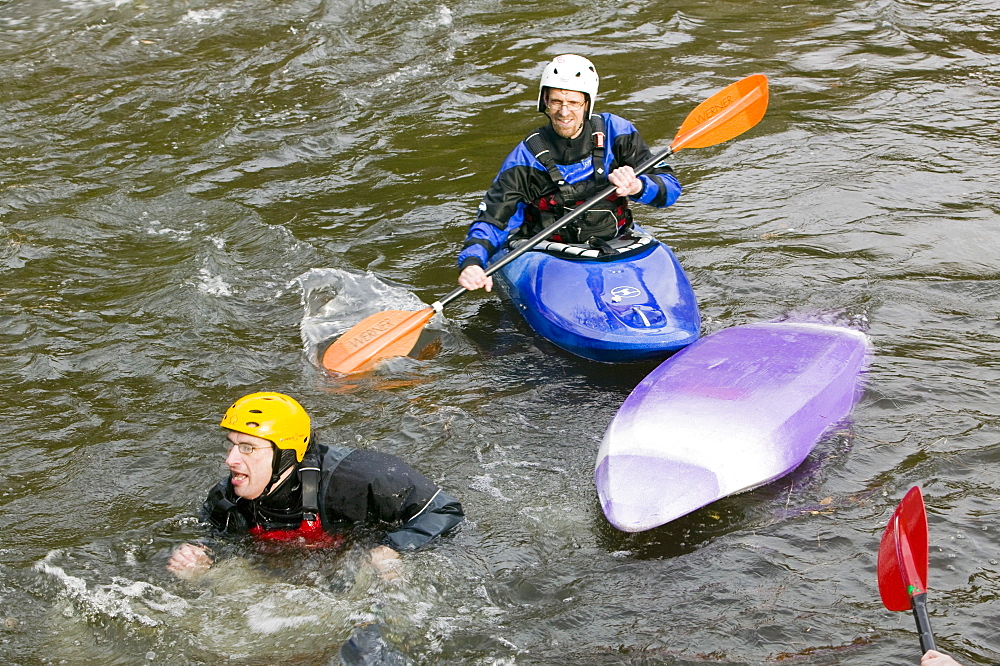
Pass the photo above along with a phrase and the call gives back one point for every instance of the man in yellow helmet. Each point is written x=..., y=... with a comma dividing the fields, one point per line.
x=284, y=486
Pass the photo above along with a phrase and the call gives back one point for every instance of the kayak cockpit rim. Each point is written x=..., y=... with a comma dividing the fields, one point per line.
x=616, y=248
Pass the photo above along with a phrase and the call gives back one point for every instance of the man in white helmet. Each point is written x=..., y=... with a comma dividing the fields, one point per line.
x=559, y=166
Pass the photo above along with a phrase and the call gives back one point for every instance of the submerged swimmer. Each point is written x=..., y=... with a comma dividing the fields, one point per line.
x=284, y=486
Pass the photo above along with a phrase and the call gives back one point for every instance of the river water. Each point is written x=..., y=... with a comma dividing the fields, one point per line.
x=186, y=184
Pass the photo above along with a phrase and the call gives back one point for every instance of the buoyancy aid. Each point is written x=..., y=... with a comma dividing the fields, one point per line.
x=310, y=532
x=225, y=514
x=603, y=221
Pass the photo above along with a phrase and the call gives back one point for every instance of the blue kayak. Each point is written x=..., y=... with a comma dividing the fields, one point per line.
x=634, y=303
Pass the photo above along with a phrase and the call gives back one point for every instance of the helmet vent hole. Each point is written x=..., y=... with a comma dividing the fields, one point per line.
x=251, y=424
x=255, y=411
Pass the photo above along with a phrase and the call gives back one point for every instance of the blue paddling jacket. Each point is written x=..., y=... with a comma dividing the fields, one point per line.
x=525, y=195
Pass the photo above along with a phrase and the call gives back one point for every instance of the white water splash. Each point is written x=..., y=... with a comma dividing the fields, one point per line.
x=118, y=598
x=485, y=484
x=269, y=616
x=334, y=300
x=156, y=228
x=444, y=17
x=213, y=285
x=201, y=16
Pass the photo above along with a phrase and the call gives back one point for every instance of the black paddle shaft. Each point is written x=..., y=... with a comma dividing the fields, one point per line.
x=919, y=604
x=555, y=226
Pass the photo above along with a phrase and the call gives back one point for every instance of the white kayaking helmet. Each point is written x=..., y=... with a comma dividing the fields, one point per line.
x=569, y=72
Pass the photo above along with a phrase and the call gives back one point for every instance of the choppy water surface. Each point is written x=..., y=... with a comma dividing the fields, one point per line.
x=185, y=183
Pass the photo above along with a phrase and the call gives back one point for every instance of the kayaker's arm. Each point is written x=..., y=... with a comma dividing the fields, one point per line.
x=659, y=190
x=381, y=488
x=438, y=516
x=660, y=187
x=501, y=212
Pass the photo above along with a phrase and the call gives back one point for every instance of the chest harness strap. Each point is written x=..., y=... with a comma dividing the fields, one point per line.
x=551, y=207
x=542, y=151
x=310, y=531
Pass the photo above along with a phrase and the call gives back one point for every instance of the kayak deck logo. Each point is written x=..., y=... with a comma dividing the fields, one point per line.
x=621, y=293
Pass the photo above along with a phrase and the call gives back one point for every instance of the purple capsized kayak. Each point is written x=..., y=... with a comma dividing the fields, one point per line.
x=733, y=411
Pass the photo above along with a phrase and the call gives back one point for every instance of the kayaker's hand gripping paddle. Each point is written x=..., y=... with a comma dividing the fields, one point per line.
x=902, y=564
x=723, y=116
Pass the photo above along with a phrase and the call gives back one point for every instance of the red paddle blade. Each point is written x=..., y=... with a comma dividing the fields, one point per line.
x=376, y=337
x=725, y=115
x=903, y=553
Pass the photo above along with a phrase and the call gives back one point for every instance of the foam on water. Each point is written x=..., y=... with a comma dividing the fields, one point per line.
x=121, y=598
x=335, y=299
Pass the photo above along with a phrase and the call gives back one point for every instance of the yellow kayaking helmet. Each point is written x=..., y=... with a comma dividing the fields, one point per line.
x=275, y=417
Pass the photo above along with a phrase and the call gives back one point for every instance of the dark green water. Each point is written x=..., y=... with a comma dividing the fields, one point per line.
x=174, y=172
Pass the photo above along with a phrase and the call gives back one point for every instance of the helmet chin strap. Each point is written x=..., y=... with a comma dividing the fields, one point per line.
x=284, y=459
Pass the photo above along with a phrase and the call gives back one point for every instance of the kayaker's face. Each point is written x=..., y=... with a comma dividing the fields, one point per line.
x=566, y=110
x=250, y=463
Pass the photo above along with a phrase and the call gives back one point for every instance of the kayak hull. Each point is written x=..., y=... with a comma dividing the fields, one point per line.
x=733, y=411
x=636, y=307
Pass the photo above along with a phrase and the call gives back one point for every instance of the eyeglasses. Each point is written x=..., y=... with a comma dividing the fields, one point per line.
x=572, y=105
x=245, y=448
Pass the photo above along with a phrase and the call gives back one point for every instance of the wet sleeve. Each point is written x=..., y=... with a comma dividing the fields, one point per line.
x=440, y=515
x=660, y=188
x=379, y=487
x=501, y=212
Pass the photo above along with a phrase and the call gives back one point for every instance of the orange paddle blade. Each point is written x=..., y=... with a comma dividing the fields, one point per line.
x=376, y=337
x=725, y=115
